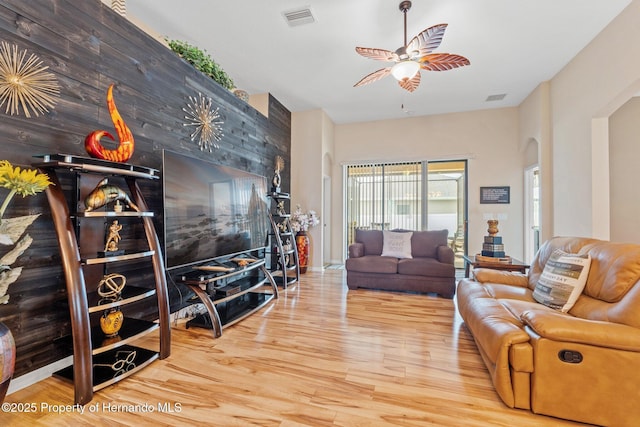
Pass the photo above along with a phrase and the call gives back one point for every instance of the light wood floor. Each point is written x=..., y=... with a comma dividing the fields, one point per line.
x=319, y=356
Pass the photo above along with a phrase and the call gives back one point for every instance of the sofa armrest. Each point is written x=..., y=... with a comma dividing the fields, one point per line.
x=356, y=250
x=563, y=327
x=445, y=254
x=515, y=278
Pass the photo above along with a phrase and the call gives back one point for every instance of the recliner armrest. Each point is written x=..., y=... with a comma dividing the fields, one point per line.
x=488, y=275
x=563, y=327
x=356, y=250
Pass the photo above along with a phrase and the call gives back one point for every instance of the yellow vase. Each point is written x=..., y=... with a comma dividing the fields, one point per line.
x=111, y=322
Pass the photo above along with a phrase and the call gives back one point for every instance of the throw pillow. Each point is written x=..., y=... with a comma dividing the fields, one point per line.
x=562, y=280
x=396, y=245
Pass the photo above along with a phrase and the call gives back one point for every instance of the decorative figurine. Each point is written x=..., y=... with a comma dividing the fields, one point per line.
x=126, y=143
x=276, y=175
x=280, y=208
x=493, y=227
x=111, y=246
x=111, y=321
x=106, y=193
x=111, y=285
x=110, y=289
x=124, y=362
x=111, y=241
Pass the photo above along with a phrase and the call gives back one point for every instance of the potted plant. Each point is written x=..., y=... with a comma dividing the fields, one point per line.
x=202, y=61
x=25, y=183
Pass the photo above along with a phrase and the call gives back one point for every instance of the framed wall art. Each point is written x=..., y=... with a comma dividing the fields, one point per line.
x=495, y=195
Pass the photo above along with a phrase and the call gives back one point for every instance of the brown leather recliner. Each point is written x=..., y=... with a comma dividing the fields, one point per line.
x=583, y=365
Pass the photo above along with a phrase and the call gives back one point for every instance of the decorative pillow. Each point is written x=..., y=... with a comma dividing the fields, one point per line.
x=397, y=245
x=562, y=280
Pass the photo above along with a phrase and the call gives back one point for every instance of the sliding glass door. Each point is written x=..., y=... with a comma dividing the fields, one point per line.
x=447, y=203
x=410, y=195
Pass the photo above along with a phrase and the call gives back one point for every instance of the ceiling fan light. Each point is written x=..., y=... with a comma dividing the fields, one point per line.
x=405, y=70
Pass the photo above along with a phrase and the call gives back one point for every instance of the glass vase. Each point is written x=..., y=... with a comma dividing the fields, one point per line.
x=302, y=242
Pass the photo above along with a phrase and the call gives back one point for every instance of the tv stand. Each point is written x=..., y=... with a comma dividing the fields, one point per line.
x=230, y=293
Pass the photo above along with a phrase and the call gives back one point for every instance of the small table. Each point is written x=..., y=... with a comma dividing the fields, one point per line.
x=514, y=265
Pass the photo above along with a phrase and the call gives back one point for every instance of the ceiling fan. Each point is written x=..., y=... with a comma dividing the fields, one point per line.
x=412, y=57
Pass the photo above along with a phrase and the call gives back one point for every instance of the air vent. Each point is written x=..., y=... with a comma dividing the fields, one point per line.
x=498, y=97
x=300, y=16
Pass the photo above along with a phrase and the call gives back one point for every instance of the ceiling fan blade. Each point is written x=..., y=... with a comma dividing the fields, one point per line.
x=442, y=62
x=375, y=76
x=410, y=84
x=378, y=54
x=427, y=41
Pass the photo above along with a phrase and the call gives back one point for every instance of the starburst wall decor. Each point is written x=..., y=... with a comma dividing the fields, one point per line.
x=206, y=122
x=25, y=83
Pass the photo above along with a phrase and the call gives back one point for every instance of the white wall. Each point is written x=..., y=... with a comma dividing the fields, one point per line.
x=624, y=152
x=591, y=87
x=311, y=147
x=488, y=139
x=534, y=120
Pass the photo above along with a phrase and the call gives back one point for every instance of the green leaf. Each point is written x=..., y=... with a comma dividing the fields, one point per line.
x=202, y=61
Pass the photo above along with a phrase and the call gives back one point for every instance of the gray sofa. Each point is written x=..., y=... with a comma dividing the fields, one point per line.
x=430, y=269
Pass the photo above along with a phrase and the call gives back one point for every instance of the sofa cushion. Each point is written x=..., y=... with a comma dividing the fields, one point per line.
x=371, y=239
x=562, y=280
x=425, y=243
x=425, y=267
x=501, y=291
x=396, y=244
x=573, y=245
x=615, y=269
x=373, y=264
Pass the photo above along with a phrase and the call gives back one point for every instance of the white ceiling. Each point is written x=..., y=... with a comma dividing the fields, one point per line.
x=513, y=46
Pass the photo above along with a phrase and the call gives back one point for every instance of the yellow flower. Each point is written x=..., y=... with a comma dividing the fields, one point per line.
x=25, y=182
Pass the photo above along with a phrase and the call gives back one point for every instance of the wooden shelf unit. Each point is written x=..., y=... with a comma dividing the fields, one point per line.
x=282, y=251
x=99, y=361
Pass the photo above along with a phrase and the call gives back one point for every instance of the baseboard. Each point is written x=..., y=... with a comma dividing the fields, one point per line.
x=38, y=375
x=316, y=269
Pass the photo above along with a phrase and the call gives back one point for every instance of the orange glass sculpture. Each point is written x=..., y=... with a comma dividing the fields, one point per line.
x=125, y=138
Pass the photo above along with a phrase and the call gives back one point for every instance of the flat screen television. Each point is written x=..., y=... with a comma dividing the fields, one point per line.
x=210, y=211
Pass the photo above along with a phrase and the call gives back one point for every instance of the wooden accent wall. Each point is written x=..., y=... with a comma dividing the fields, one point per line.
x=88, y=46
